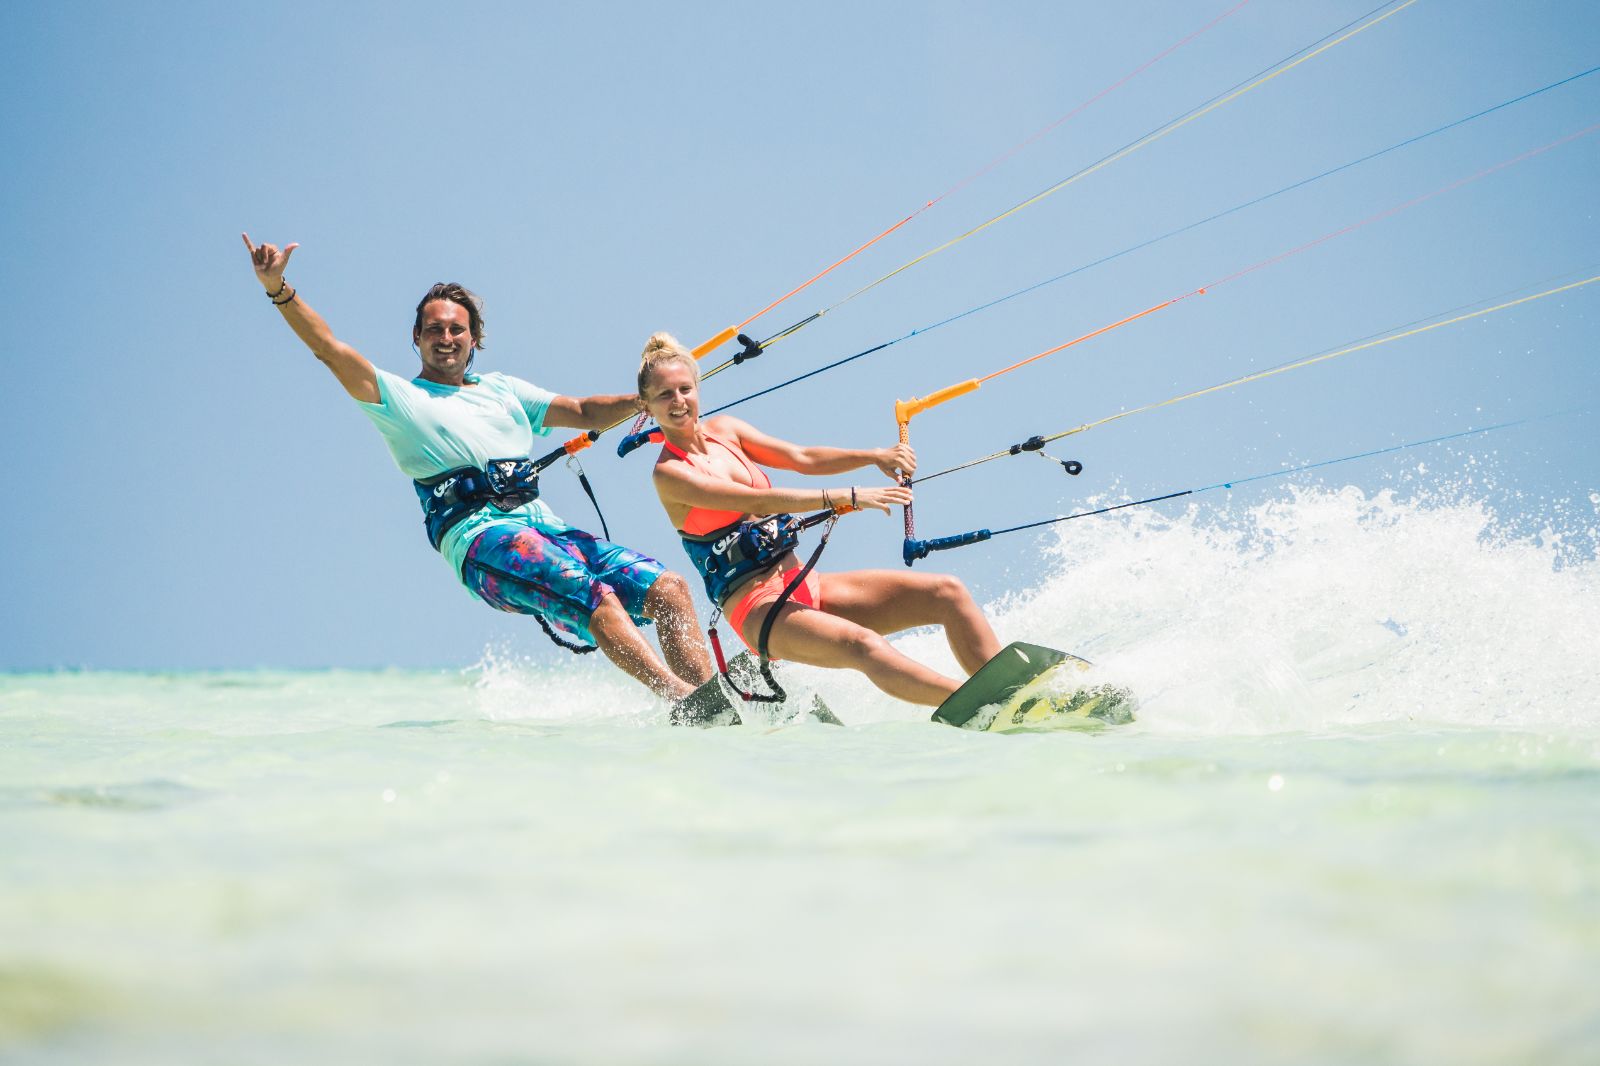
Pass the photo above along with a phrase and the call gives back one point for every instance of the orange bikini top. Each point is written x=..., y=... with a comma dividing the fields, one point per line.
x=702, y=520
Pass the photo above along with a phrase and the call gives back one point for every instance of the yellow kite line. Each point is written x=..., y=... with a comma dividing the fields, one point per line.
x=980, y=172
x=905, y=410
x=1259, y=375
x=701, y=350
x=711, y=344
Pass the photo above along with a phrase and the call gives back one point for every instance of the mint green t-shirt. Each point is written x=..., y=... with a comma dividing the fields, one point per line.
x=432, y=429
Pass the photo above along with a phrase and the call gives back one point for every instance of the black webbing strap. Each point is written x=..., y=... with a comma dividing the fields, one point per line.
x=778, y=695
x=576, y=649
x=783, y=598
x=588, y=490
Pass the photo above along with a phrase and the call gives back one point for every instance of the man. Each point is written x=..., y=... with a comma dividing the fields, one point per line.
x=464, y=439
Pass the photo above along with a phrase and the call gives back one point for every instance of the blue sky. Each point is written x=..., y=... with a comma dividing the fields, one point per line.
x=201, y=494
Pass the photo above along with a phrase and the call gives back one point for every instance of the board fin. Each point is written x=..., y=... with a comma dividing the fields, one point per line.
x=800, y=706
x=1027, y=686
x=710, y=705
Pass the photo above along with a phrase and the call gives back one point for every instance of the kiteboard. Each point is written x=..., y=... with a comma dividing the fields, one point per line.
x=712, y=705
x=1027, y=686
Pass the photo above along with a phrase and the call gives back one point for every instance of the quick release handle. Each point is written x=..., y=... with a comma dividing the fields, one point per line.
x=914, y=549
x=580, y=442
x=636, y=440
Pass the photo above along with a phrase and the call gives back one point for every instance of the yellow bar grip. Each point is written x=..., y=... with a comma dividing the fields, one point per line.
x=705, y=348
x=904, y=410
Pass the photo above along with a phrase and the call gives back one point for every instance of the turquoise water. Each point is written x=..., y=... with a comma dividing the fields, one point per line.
x=1356, y=822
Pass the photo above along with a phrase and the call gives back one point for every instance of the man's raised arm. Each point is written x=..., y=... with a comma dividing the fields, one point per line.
x=352, y=369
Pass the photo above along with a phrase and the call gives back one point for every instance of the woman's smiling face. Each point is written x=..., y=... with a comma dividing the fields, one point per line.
x=672, y=396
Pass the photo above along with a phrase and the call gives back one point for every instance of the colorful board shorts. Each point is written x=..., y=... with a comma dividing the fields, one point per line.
x=559, y=576
x=766, y=591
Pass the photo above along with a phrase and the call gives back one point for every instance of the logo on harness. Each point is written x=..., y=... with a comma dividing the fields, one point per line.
x=727, y=556
x=505, y=484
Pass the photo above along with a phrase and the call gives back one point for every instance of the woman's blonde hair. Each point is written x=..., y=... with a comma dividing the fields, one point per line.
x=659, y=350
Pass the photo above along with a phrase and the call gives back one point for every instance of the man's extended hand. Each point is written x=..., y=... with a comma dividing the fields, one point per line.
x=269, y=262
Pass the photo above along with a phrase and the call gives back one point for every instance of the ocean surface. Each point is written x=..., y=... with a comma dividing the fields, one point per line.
x=1357, y=821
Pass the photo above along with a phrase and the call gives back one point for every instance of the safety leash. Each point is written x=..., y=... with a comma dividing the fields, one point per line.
x=778, y=695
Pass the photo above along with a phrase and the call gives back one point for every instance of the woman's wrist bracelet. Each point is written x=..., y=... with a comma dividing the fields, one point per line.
x=285, y=303
x=839, y=506
x=283, y=283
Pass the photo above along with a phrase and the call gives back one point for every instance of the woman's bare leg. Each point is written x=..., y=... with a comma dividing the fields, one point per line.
x=888, y=601
x=817, y=638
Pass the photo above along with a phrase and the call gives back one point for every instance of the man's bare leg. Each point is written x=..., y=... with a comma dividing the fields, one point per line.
x=671, y=606
x=616, y=635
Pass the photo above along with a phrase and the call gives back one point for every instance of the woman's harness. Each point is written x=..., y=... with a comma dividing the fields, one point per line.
x=725, y=557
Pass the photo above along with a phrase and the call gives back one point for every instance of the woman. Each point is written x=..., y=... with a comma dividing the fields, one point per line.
x=709, y=481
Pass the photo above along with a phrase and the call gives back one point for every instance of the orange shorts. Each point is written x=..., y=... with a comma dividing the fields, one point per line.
x=767, y=590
